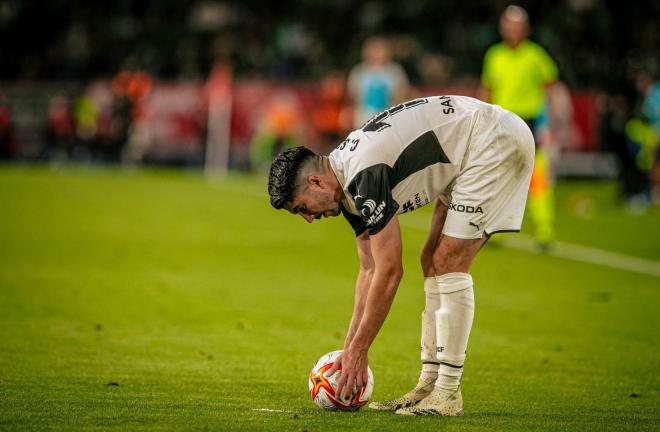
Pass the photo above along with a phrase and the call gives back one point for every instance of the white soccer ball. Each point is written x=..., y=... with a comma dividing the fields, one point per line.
x=322, y=388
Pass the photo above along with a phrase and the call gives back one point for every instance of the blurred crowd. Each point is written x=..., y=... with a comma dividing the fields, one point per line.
x=434, y=41
x=128, y=82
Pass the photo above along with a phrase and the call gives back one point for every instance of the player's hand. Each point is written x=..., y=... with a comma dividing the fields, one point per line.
x=354, y=366
x=336, y=366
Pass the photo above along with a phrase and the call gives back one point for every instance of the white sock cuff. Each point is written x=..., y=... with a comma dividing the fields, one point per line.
x=452, y=282
x=431, y=286
x=455, y=361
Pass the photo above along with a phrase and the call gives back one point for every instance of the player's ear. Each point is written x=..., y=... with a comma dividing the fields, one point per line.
x=315, y=180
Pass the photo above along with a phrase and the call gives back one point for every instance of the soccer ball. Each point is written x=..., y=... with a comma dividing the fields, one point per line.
x=322, y=388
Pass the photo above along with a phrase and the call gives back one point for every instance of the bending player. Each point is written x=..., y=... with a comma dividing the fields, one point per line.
x=475, y=161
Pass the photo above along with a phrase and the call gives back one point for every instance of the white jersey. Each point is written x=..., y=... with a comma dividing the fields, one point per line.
x=407, y=156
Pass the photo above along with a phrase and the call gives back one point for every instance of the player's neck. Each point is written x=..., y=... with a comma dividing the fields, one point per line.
x=515, y=44
x=331, y=177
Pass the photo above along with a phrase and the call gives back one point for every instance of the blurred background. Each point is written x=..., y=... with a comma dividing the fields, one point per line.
x=133, y=291
x=225, y=85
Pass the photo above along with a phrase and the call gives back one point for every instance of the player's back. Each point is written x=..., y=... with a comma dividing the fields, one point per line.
x=415, y=149
x=382, y=139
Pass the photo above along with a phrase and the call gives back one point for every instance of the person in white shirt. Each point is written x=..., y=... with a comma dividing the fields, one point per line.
x=377, y=82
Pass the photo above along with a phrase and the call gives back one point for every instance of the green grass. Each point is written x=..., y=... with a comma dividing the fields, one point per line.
x=201, y=303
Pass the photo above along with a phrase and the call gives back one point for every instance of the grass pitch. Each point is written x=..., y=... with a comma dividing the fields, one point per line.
x=154, y=300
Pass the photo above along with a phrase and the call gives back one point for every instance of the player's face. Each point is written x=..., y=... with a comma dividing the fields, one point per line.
x=376, y=52
x=513, y=31
x=313, y=203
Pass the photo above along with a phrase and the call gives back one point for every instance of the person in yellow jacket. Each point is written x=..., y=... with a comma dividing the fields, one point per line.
x=516, y=75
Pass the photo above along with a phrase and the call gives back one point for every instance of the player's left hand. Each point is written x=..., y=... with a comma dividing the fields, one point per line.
x=354, y=366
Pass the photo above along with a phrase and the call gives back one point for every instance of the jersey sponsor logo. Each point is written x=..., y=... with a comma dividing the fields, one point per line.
x=418, y=200
x=465, y=208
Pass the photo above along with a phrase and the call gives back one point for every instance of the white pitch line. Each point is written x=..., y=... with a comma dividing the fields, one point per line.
x=573, y=252
x=268, y=410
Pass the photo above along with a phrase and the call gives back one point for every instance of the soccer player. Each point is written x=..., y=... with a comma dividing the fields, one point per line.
x=474, y=160
x=516, y=74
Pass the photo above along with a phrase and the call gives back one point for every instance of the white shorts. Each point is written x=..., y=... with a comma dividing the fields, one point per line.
x=490, y=192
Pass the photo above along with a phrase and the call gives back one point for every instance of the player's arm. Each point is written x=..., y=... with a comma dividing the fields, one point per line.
x=547, y=70
x=361, y=285
x=388, y=270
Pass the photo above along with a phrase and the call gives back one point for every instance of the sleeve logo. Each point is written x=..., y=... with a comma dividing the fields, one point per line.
x=371, y=212
x=368, y=207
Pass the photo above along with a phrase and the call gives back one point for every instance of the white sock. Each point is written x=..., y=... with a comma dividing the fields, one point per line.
x=432, y=294
x=453, y=323
x=430, y=362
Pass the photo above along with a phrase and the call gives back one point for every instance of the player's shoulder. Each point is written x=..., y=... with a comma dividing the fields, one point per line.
x=496, y=49
x=349, y=148
x=533, y=48
x=359, y=151
x=654, y=92
x=395, y=67
x=357, y=70
x=353, y=147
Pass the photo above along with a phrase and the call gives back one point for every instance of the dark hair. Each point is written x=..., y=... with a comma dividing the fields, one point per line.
x=283, y=174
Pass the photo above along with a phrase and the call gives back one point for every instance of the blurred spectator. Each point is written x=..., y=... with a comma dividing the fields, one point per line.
x=131, y=87
x=613, y=114
x=643, y=137
x=292, y=42
x=435, y=69
x=377, y=82
x=60, y=129
x=330, y=113
x=85, y=115
x=8, y=141
x=562, y=132
x=554, y=131
x=650, y=91
x=516, y=74
x=280, y=128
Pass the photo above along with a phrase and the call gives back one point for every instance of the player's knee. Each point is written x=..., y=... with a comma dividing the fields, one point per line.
x=451, y=258
x=448, y=264
x=426, y=261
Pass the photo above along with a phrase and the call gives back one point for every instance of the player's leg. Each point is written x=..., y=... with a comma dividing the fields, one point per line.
x=453, y=321
x=432, y=297
x=489, y=196
x=541, y=188
x=541, y=200
x=433, y=239
x=430, y=363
